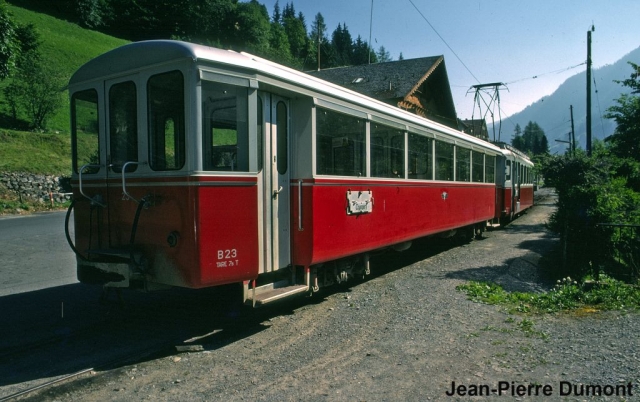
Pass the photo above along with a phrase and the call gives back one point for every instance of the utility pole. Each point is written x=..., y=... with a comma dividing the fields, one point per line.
x=593, y=28
x=370, y=30
x=573, y=133
x=319, y=43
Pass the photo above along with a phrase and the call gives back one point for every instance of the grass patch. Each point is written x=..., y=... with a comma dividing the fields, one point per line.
x=567, y=295
x=33, y=152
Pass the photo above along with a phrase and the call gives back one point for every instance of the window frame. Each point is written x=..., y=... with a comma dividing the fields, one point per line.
x=74, y=132
x=359, y=144
x=134, y=80
x=180, y=145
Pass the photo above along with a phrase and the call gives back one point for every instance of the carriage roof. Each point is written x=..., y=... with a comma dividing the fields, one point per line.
x=140, y=55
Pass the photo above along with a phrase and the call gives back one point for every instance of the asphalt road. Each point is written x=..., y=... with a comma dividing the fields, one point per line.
x=34, y=253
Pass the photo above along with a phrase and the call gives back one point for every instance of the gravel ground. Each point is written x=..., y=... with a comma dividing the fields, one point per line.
x=404, y=335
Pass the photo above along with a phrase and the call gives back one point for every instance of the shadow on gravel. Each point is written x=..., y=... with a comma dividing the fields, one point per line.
x=63, y=330
x=531, y=272
x=517, y=275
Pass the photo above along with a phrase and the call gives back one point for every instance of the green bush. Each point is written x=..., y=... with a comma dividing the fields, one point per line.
x=593, y=191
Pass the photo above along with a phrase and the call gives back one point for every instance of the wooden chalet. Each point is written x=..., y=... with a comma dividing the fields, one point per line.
x=475, y=127
x=420, y=86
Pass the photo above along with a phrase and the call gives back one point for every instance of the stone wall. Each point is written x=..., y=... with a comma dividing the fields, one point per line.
x=36, y=187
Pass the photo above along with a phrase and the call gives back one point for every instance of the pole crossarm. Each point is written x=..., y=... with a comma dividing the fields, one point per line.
x=489, y=95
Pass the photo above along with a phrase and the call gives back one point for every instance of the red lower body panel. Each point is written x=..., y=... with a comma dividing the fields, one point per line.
x=526, y=197
x=401, y=211
x=213, y=221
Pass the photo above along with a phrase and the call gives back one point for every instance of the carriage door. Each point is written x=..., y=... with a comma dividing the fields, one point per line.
x=278, y=188
x=122, y=151
x=516, y=186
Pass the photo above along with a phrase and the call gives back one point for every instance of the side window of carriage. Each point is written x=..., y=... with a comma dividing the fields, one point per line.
x=489, y=169
x=340, y=144
x=85, y=139
x=477, y=167
x=444, y=160
x=387, y=151
x=225, y=127
x=420, y=157
x=463, y=164
x=165, y=94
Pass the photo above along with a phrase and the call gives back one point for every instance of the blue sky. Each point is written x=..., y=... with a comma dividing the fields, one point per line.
x=508, y=41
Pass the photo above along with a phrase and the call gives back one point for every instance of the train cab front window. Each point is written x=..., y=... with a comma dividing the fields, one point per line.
x=85, y=133
x=123, y=125
x=225, y=127
x=166, y=121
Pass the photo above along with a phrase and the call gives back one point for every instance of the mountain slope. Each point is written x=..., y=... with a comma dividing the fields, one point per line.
x=552, y=112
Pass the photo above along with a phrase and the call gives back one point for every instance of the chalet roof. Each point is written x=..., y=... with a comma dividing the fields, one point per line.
x=382, y=81
x=399, y=83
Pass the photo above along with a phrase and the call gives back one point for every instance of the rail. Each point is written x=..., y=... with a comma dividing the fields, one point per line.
x=125, y=193
x=94, y=200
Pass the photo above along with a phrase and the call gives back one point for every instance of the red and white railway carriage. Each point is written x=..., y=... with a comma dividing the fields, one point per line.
x=515, y=181
x=197, y=167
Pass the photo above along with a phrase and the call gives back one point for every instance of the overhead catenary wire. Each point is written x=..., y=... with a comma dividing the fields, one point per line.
x=562, y=70
x=443, y=41
x=476, y=78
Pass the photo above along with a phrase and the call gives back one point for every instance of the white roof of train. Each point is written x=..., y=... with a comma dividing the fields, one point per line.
x=140, y=55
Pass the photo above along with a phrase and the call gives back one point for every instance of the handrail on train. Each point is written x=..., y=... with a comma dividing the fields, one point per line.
x=96, y=199
x=125, y=193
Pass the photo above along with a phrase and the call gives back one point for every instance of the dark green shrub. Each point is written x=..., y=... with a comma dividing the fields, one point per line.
x=592, y=192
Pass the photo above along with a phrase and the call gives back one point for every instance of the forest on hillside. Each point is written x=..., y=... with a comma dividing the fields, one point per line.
x=284, y=35
x=41, y=47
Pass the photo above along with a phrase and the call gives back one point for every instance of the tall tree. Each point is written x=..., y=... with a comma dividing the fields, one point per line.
x=342, y=45
x=517, y=141
x=318, y=40
x=296, y=31
x=9, y=47
x=209, y=21
x=251, y=27
x=625, y=141
x=279, y=49
x=362, y=53
x=383, y=55
x=532, y=141
x=89, y=12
